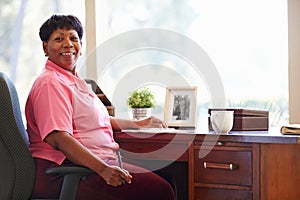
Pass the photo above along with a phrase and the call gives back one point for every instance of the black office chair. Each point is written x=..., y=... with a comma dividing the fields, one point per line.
x=17, y=170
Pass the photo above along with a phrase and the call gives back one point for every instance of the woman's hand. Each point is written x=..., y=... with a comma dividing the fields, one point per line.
x=115, y=176
x=151, y=122
x=79, y=155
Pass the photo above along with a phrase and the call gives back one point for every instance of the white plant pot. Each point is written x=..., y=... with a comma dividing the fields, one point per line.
x=139, y=113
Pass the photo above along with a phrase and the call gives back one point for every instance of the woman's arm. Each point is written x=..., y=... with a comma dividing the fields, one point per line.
x=149, y=122
x=80, y=155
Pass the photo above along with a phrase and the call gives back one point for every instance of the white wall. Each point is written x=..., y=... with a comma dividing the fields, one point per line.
x=294, y=60
x=90, y=29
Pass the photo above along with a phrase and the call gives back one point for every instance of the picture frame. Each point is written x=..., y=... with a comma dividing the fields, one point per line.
x=180, y=106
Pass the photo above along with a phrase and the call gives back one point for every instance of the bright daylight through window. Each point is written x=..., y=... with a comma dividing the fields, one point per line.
x=246, y=40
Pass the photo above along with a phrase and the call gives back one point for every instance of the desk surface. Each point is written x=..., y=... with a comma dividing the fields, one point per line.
x=273, y=136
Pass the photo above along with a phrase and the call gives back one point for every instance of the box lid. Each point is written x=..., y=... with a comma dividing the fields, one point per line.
x=242, y=112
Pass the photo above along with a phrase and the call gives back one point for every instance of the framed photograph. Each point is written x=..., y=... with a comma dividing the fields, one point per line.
x=180, y=106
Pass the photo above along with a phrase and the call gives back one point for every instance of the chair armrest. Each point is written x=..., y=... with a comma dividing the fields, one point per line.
x=69, y=170
x=72, y=177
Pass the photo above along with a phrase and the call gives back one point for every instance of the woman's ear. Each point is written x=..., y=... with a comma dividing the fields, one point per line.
x=45, y=48
x=80, y=47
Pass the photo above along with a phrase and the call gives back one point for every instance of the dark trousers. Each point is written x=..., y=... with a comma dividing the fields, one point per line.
x=145, y=185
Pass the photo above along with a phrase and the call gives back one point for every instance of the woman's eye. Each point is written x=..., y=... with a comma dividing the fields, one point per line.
x=74, y=38
x=58, y=39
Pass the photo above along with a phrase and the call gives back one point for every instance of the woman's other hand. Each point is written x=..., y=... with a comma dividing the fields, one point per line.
x=151, y=122
x=148, y=122
x=115, y=176
x=78, y=154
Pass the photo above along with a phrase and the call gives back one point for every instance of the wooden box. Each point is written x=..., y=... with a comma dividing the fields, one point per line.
x=246, y=119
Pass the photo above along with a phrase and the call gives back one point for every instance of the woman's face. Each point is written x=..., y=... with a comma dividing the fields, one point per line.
x=63, y=48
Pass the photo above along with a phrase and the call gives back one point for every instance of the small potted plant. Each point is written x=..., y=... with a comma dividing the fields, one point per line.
x=140, y=101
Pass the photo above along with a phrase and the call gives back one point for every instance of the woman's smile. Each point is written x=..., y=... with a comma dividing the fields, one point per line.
x=63, y=48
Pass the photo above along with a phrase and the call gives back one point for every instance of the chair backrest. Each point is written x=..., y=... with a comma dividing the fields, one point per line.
x=103, y=98
x=17, y=170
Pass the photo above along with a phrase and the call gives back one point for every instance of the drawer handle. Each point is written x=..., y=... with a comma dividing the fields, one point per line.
x=219, y=143
x=227, y=166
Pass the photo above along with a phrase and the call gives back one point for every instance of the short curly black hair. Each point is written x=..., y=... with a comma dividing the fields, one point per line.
x=60, y=22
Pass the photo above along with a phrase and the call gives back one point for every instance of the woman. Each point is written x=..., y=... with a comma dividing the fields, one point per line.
x=67, y=124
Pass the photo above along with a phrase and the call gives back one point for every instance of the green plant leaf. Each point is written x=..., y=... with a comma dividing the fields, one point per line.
x=141, y=98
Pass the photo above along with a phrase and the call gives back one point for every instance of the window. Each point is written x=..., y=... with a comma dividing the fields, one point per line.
x=21, y=53
x=246, y=40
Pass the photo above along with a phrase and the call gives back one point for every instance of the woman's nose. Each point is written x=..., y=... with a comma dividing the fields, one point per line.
x=68, y=43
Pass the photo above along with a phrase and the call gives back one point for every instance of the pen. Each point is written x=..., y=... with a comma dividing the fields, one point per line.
x=120, y=159
x=120, y=164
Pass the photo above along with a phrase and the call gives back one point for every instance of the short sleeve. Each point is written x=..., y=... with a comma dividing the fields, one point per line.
x=53, y=108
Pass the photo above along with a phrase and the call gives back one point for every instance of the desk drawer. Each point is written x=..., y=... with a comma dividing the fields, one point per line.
x=155, y=151
x=203, y=193
x=224, y=167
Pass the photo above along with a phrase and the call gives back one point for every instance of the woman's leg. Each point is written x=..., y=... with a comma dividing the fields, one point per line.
x=145, y=185
x=46, y=186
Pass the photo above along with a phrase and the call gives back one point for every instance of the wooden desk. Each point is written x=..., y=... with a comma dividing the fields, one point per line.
x=239, y=165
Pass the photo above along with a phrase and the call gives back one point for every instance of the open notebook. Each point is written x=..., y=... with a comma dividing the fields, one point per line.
x=157, y=130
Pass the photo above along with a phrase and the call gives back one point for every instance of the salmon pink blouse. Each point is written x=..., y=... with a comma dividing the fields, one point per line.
x=62, y=101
